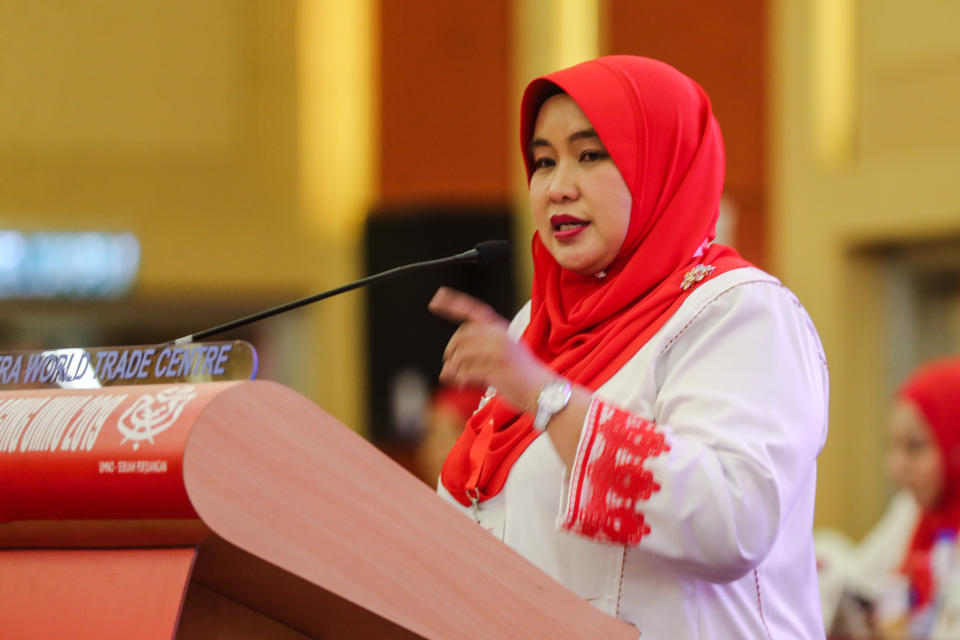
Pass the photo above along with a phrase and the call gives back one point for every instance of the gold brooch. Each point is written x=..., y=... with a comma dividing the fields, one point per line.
x=696, y=274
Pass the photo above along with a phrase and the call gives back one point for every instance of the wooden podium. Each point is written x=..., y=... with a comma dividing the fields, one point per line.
x=242, y=510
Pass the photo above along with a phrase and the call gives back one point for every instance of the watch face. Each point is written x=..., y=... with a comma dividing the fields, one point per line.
x=554, y=399
x=556, y=395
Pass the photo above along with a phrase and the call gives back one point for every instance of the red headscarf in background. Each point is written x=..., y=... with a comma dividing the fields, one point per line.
x=658, y=126
x=935, y=390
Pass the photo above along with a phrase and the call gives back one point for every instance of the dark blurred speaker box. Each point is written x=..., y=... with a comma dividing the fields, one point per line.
x=405, y=341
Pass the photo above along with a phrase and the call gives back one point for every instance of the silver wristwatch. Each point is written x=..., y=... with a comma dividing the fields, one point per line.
x=553, y=398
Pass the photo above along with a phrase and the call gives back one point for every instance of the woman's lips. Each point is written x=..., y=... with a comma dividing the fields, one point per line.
x=566, y=226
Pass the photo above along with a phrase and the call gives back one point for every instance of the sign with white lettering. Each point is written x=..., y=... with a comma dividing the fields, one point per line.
x=92, y=368
x=107, y=453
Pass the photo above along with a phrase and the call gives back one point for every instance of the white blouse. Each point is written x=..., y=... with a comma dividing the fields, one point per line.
x=728, y=402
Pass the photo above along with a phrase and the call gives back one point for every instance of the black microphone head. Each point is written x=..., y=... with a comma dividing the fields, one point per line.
x=492, y=251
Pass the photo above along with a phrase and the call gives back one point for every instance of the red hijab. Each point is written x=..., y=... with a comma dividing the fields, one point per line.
x=659, y=128
x=935, y=390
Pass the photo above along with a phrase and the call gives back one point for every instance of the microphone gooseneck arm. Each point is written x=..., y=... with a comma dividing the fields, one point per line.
x=484, y=253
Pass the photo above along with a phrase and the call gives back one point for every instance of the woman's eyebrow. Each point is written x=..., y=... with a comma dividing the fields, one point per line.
x=538, y=142
x=586, y=133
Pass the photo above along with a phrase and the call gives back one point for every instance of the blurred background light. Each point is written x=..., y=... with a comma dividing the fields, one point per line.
x=86, y=264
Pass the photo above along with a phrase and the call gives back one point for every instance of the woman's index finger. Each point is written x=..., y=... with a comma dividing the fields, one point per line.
x=457, y=306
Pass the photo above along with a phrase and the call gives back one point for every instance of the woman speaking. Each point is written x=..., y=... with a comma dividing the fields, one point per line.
x=653, y=415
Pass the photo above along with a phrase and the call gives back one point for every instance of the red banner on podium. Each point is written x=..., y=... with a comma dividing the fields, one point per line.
x=109, y=453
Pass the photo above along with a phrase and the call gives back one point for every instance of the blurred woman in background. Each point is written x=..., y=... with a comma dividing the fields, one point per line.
x=902, y=580
x=448, y=411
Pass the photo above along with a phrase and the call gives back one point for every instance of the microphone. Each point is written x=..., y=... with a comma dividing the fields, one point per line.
x=484, y=254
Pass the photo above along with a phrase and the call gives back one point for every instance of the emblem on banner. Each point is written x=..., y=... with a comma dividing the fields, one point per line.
x=151, y=415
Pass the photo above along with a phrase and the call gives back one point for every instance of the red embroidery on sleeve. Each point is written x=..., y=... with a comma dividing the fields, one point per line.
x=609, y=481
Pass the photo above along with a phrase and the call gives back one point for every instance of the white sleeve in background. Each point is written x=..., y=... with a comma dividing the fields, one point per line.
x=882, y=551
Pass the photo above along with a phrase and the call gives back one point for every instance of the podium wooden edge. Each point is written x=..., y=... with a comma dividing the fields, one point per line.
x=93, y=534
